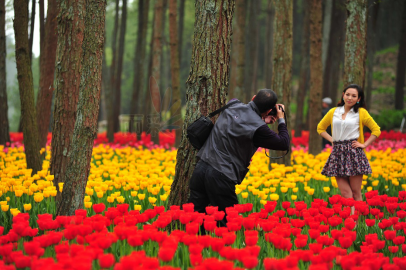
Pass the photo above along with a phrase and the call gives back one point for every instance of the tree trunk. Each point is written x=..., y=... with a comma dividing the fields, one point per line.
x=315, y=94
x=33, y=5
x=181, y=14
x=118, y=76
x=326, y=27
x=154, y=91
x=268, y=48
x=355, y=43
x=332, y=71
x=282, y=63
x=371, y=33
x=139, y=60
x=26, y=88
x=4, y=125
x=42, y=26
x=304, y=72
x=110, y=91
x=207, y=83
x=47, y=70
x=85, y=130
x=401, y=63
x=236, y=88
x=71, y=26
x=176, y=94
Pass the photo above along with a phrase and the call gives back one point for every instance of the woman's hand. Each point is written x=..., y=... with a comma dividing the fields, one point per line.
x=356, y=144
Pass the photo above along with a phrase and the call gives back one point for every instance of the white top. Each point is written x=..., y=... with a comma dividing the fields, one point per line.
x=346, y=129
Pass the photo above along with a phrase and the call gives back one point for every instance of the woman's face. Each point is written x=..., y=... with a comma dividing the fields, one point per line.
x=351, y=97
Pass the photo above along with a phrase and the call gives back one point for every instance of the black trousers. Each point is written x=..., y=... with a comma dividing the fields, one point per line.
x=211, y=187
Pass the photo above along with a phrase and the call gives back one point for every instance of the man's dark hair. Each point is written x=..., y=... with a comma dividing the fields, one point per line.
x=265, y=100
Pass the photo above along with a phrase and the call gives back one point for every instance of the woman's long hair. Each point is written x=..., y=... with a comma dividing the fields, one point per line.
x=361, y=95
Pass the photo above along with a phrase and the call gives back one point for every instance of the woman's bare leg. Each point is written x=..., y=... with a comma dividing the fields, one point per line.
x=344, y=187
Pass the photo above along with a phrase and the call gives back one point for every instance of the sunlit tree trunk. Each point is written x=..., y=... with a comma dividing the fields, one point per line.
x=4, y=124
x=176, y=94
x=47, y=70
x=85, y=130
x=68, y=67
x=355, y=43
x=207, y=83
x=282, y=63
x=315, y=93
x=32, y=22
x=26, y=88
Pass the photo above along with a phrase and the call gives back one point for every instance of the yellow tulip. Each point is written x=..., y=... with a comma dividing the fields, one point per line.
x=163, y=197
x=3, y=202
x=99, y=194
x=8, y=198
x=311, y=191
x=141, y=196
x=295, y=189
x=87, y=198
x=152, y=200
x=369, y=188
x=14, y=212
x=88, y=204
x=133, y=193
x=18, y=193
x=120, y=199
x=274, y=197
x=110, y=199
x=137, y=207
x=38, y=197
x=293, y=197
x=4, y=208
x=283, y=189
x=327, y=189
x=27, y=207
x=375, y=183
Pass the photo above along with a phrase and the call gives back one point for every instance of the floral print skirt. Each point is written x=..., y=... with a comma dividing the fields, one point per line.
x=346, y=161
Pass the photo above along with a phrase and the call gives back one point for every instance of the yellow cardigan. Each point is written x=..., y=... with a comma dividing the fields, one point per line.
x=364, y=120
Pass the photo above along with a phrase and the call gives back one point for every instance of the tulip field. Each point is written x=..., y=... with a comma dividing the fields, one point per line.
x=288, y=217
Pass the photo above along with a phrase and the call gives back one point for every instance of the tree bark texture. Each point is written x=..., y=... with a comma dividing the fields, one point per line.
x=315, y=94
x=139, y=57
x=175, y=66
x=401, y=63
x=68, y=68
x=268, y=48
x=26, y=88
x=332, y=72
x=371, y=33
x=110, y=91
x=47, y=70
x=207, y=83
x=236, y=88
x=355, y=43
x=282, y=63
x=118, y=76
x=4, y=124
x=42, y=25
x=326, y=27
x=85, y=130
x=32, y=22
x=154, y=81
x=303, y=87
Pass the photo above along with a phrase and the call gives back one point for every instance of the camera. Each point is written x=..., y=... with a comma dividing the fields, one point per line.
x=273, y=112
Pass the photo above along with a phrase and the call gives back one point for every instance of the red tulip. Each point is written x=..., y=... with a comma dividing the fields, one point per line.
x=314, y=234
x=98, y=208
x=188, y=207
x=210, y=210
x=166, y=253
x=135, y=240
x=316, y=248
x=345, y=242
x=106, y=260
x=251, y=240
x=219, y=215
x=389, y=235
x=210, y=225
x=250, y=262
x=217, y=244
x=399, y=240
x=300, y=242
x=192, y=228
x=229, y=238
x=350, y=224
x=393, y=249
x=248, y=223
x=195, y=259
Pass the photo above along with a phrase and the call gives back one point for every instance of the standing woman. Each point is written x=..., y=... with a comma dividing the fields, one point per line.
x=348, y=162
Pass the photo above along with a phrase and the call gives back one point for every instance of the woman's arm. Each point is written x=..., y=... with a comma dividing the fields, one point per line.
x=327, y=137
x=357, y=144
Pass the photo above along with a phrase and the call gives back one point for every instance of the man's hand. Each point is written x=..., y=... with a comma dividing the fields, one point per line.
x=280, y=113
x=270, y=119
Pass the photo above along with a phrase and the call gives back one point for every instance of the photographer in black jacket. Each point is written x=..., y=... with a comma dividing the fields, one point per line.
x=225, y=157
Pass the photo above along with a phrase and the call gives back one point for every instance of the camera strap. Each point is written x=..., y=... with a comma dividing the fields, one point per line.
x=289, y=143
x=214, y=113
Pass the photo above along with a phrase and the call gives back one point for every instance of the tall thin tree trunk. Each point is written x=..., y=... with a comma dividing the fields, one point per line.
x=147, y=105
x=85, y=130
x=4, y=124
x=268, y=47
x=71, y=26
x=401, y=63
x=207, y=83
x=155, y=70
x=118, y=76
x=236, y=89
x=282, y=63
x=355, y=43
x=47, y=70
x=26, y=88
x=111, y=89
x=303, y=87
x=33, y=5
x=371, y=33
x=181, y=14
x=332, y=71
x=326, y=27
x=315, y=94
x=176, y=94
x=165, y=59
x=139, y=59
x=42, y=26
